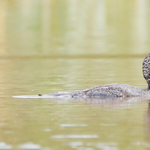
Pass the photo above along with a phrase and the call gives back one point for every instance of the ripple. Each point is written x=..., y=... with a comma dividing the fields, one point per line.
x=29, y=145
x=76, y=136
x=8, y=132
x=75, y=144
x=3, y=124
x=3, y=145
x=106, y=125
x=107, y=146
x=47, y=130
x=85, y=148
x=73, y=125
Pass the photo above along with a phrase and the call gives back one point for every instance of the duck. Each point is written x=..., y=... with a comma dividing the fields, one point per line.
x=146, y=70
x=115, y=90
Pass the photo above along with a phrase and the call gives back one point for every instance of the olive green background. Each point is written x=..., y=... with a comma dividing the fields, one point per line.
x=64, y=45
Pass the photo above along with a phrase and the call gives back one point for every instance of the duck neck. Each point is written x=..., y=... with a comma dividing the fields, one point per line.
x=148, y=82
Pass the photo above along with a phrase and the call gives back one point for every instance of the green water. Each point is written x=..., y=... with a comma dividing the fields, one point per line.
x=53, y=45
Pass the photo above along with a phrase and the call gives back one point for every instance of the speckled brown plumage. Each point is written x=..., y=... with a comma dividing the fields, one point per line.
x=146, y=69
x=104, y=91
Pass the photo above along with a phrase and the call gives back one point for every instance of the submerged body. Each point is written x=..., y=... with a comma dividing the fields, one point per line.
x=105, y=91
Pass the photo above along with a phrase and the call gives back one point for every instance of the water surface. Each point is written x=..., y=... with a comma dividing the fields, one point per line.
x=48, y=46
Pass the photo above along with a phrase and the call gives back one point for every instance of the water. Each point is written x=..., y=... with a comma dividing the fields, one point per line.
x=48, y=46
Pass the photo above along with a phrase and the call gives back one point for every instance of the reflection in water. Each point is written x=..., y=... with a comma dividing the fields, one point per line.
x=147, y=125
x=96, y=102
x=147, y=119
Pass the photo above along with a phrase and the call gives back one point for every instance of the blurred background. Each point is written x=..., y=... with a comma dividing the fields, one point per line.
x=73, y=27
x=64, y=45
